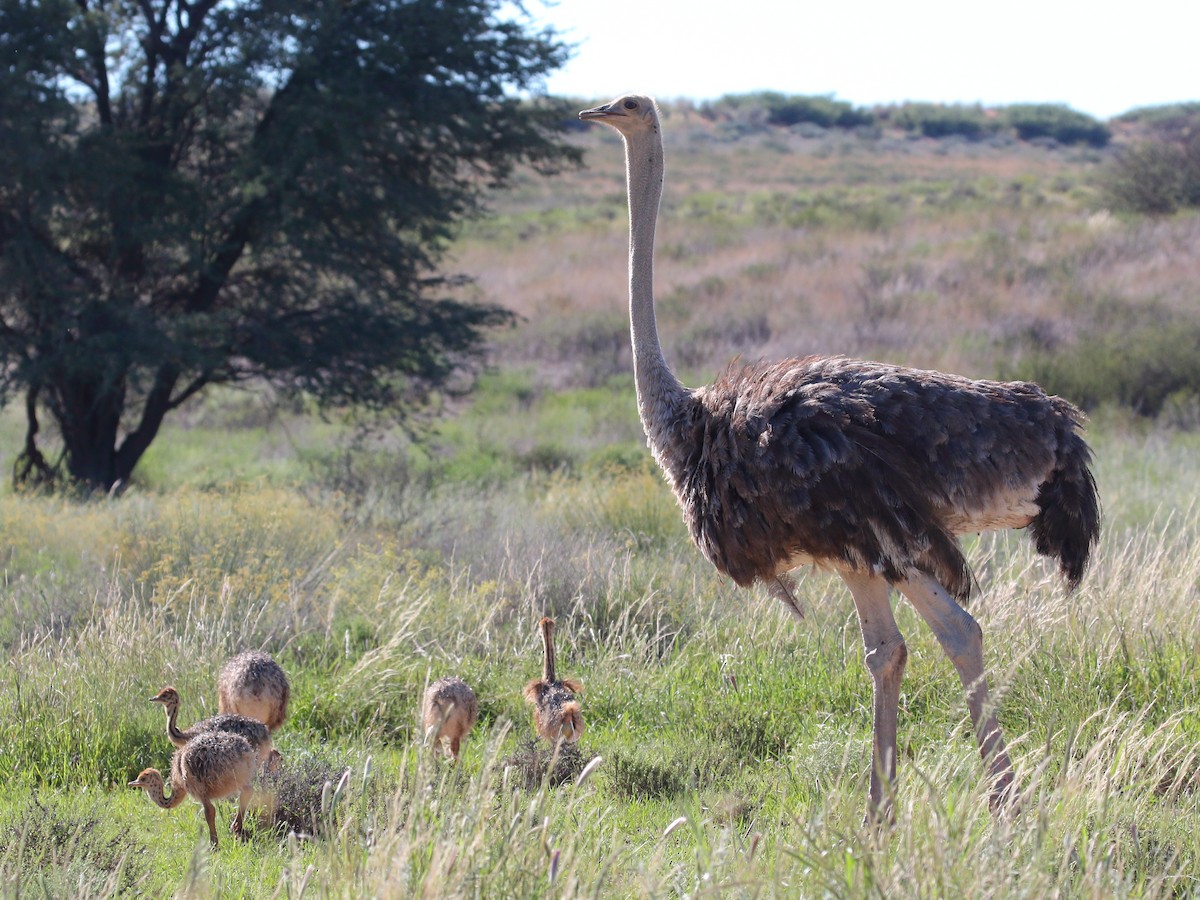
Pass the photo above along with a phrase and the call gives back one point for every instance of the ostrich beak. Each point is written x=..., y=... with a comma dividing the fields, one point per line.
x=134, y=784
x=600, y=112
x=156, y=700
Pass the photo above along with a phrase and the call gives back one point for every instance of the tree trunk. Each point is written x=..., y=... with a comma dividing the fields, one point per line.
x=89, y=419
x=89, y=413
x=158, y=403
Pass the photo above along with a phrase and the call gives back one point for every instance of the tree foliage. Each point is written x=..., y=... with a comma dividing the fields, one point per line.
x=196, y=192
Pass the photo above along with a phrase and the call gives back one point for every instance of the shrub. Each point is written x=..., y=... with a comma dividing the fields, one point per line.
x=1054, y=120
x=1145, y=368
x=824, y=111
x=741, y=108
x=65, y=847
x=786, y=110
x=1156, y=176
x=936, y=120
x=1168, y=119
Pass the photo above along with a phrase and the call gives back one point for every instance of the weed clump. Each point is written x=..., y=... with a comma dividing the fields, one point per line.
x=302, y=795
x=533, y=763
x=633, y=777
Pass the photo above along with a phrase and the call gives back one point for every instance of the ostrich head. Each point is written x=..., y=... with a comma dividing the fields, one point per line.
x=629, y=115
x=572, y=722
x=149, y=779
x=168, y=697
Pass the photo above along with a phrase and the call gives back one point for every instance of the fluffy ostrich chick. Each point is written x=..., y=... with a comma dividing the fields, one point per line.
x=556, y=713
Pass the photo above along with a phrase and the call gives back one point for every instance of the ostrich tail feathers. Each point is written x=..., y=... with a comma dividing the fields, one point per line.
x=1067, y=526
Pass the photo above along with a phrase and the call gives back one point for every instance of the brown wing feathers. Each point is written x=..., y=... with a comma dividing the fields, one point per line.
x=861, y=463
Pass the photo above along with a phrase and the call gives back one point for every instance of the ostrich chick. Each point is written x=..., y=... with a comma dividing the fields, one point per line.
x=252, y=730
x=254, y=685
x=211, y=766
x=556, y=713
x=449, y=712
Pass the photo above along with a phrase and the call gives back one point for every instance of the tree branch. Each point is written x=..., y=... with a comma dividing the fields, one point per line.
x=61, y=256
x=198, y=384
x=155, y=409
x=95, y=55
x=153, y=45
x=30, y=467
x=212, y=278
x=197, y=13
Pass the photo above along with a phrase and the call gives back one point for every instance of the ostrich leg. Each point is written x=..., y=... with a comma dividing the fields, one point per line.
x=210, y=816
x=884, y=655
x=962, y=640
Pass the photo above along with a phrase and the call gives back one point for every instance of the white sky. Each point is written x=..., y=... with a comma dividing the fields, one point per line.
x=1101, y=57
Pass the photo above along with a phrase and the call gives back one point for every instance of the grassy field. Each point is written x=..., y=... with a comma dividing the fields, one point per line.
x=728, y=745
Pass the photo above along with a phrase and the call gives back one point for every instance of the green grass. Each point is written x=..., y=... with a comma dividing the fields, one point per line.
x=705, y=702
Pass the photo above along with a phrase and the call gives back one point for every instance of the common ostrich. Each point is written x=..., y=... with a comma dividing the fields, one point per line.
x=865, y=469
x=253, y=684
x=556, y=713
x=211, y=766
x=252, y=730
x=449, y=712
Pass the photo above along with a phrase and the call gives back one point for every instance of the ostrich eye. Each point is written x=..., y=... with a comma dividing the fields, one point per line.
x=631, y=104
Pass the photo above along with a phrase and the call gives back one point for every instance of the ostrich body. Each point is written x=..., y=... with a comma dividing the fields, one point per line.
x=864, y=469
x=210, y=767
x=251, y=730
x=556, y=713
x=254, y=685
x=449, y=712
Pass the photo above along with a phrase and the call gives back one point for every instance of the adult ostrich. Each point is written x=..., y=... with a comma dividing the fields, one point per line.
x=865, y=469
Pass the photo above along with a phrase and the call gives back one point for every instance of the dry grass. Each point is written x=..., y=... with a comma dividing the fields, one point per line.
x=946, y=256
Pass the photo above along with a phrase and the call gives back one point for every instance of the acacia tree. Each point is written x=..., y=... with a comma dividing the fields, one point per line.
x=201, y=192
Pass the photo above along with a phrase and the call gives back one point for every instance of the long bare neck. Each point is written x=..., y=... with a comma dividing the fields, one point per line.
x=178, y=738
x=659, y=392
x=548, y=651
x=158, y=796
